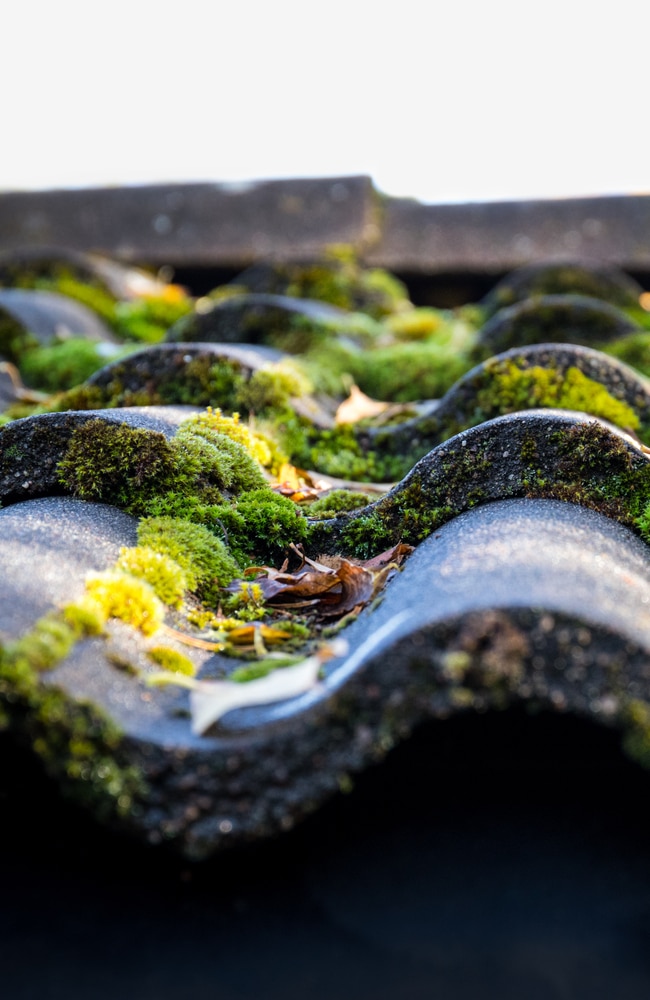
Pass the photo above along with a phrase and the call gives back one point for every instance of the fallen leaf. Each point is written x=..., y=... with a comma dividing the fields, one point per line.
x=211, y=700
x=358, y=406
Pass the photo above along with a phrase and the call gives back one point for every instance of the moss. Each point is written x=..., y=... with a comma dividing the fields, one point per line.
x=76, y=742
x=337, y=279
x=125, y=597
x=207, y=462
x=117, y=464
x=214, y=421
x=171, y=660
x=634, y=350
x=158, y=569
x=271, y=388
x=261, y=523
x=416, y=324
x=204, y=559
x=261, y=668
x=512, y=388
x=14, y=340
x=636, y=738
x=86, y=617
x=50, y=640
x=336, y=501
x=364, y=536
x=60, y=366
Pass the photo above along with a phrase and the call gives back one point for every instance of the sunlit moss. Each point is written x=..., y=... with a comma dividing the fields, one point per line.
x=171, y=660
x=125, y=597
x=158, y=569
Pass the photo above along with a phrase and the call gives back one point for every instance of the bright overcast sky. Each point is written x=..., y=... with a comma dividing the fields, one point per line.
x=453, y=101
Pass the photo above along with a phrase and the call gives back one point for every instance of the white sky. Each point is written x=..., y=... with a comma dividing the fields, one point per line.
x=451, y=101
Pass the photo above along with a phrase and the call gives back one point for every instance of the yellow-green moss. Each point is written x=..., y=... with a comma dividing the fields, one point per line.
x=337, y=501
x=203, y=558
x=171, y=660
x=77, y=742
x=636, y=739
x=125, y=597
x=159, y=570
x=512, y=388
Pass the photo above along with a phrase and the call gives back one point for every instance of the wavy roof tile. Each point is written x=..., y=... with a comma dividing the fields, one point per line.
x=209, y=622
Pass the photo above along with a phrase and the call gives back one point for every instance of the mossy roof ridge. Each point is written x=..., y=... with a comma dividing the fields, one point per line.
x=248, y=317
x=43, y=315
x=25, y=265
x=538, y=453
x=160, y=360
x=464, y=405
x=597, y=281
x=565, y=318
x=32, y=447
x=521, y=601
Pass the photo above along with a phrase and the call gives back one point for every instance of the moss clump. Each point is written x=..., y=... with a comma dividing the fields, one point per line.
x=416, y=324
x=144, y=319
x=337, y=501
x=204, y=559
x=512, y=388
x=144, y=473
x=636, y=739
x=159, y=570
x=85, y=616
x=271, y=388
x=214, y=421
x=171, y=660
x=125, y=597
x=261, y=668
x=60, y=366
x=49, y=641
x=116, y=464
x=261, y=523
x=76, y=742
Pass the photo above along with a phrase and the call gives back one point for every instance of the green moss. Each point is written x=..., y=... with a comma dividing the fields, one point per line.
x=86, y=617
x=60, y=366
x=76, y=742
x=337, y=501
x=171, y=660
x=271, y=388
x=116, y=464
x=364, y=536
x=261, y=523
x=50, y=640
x=261, y=668
x=339, y=280
x=204, y=559
x=636, y=738
x=125, y=597
x=512, y=388
x=215, y=422
x=634, y=350
x=158, y=569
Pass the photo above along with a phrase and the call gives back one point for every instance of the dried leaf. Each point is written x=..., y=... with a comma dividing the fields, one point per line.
x=358, y=406
x=357, y=588
x=211, y=700
x=395, y=555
